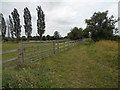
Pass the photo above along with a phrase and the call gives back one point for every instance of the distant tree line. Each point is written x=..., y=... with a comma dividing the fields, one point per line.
x=44, y=38
x=99, y=27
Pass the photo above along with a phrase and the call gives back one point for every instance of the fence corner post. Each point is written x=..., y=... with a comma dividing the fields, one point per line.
x=58, y=46
x=53, y=46
x=64, y=44
x=21, y=51
x=74, y=42
x=68, y=44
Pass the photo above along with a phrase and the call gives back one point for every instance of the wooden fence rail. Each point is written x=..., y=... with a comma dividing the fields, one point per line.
x=14, y=50
x=37, y=52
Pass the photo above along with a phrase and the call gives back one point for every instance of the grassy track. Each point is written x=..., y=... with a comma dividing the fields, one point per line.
x=87, y=65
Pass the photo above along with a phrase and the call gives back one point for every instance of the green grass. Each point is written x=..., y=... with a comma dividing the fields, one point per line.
x=87, y=65
x=40, y=47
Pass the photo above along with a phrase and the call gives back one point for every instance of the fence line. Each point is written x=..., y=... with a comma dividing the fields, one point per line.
x=39, y=51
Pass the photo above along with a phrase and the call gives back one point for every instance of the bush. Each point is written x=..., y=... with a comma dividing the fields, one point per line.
x=115, y=38
x=5, y=39
x=44, y=38
x=75, y=34
x=23, y=38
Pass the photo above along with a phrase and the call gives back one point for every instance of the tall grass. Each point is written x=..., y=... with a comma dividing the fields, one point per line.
x=87, y=65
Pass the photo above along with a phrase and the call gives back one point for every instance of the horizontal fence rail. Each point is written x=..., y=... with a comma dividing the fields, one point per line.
x=11, y=59
x=33, y=52
x=14, y=50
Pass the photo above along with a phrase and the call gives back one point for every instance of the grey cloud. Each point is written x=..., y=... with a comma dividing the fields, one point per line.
x=61, y=16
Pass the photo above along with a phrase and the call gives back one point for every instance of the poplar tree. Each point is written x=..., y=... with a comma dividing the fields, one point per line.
x=27, y=21
x=2, y=25
x=40, y=21
x=11, y=26
x=17, y=26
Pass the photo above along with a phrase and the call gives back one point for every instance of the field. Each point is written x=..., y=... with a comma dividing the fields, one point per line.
x=32, y=51
x=87, y=65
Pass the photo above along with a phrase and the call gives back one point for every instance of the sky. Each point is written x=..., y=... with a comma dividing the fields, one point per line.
x=60, y=15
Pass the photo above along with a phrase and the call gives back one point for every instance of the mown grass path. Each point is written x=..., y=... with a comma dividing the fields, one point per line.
x=87, y=65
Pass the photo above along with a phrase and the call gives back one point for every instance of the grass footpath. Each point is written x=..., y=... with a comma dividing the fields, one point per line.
x=87, y=65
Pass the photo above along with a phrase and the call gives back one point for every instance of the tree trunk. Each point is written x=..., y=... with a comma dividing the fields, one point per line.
x=18, y=39
x=28, y=38
x=40, y=37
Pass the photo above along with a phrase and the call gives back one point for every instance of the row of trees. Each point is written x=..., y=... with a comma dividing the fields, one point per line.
x=99, y=27
x=55, y=36
x=14, y=26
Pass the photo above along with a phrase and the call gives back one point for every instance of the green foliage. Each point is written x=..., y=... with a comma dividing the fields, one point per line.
x=115, y=38
x=56, y=35
x=48, y=37
x=23, y=38
x=101, y=26
x=40, y=21
x=52, y=38
x=27, y=21
x=17, y=26
x=44, y=38
x=5, y=39
x=2, y=25
x=75, y=34
x=65, y=37
x=11, y=26
x=86, y=33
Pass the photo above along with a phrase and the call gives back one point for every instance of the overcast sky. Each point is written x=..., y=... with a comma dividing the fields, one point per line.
x=60, y=15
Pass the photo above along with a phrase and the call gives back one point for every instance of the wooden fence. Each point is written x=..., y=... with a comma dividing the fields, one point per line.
x=36, y=50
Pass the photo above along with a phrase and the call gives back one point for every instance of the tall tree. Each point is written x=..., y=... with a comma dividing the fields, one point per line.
x=40, y=21
x=2, y=25
x=101, y=26
x=8, y=27
x=17, y=26
x=86, y=32
x=75, y=33
x=27, y=21
x=56, y=35
x=11, y=26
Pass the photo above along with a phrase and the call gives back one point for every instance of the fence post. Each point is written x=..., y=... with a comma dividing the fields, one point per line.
x=68, y=44
x=21, y=52
x=53, y=47
x=64, y=45
x=58, y=46
x=74, y=43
